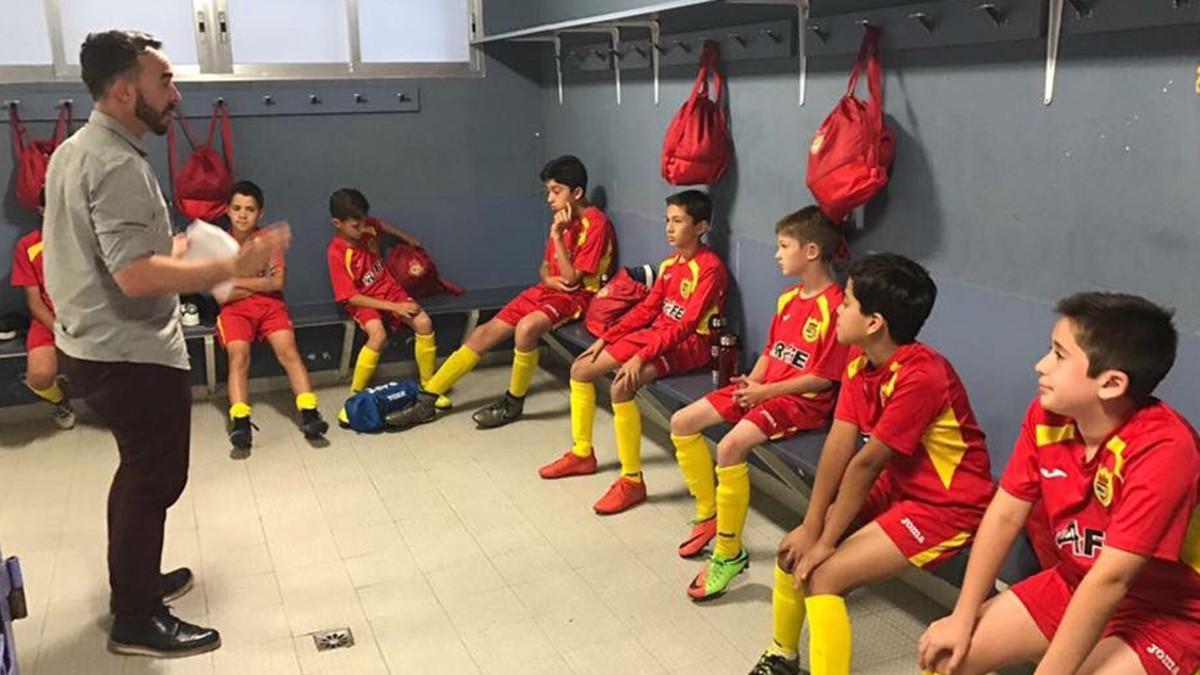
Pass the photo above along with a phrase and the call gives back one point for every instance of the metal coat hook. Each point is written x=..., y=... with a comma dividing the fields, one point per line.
x=865, y=23
x=359, y=98
x=1082, y=9
x=821, y=33
x=402, y=97
x=997, y=17
x=770, y=35
x=737, y=37
x=1181, y=4
x=13, y=104
x=687, y=49
x=924, y=19
x=598, y=53
x=268, y=100
x=220, y=100
x=314, y=99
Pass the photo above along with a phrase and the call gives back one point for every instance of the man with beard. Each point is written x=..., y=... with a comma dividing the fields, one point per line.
x=114, y=274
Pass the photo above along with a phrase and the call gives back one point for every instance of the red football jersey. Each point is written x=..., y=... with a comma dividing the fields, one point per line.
x=589, y=240
x=916, y=405
x=27, y=265
x=686, y=294
x=1140, y=494
x=803, y=341
x=358, y=268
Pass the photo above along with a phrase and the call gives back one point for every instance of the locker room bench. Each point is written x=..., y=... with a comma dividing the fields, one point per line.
x=471, y=303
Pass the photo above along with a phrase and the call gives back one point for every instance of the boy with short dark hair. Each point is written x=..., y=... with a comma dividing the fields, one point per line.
x=1118, y=474
x=41, y=360
x=579, y=251
x=790, y=389
x=665, y=334
x=911, y=496
x=256, y=311
x=365, y=288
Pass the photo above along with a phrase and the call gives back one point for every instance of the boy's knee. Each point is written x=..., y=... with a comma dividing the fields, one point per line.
x=376, y=335
x=580, y=372
x=239, y=355
x=730, y=452
x=40, y=378
x=422, y=324
x=679, y=425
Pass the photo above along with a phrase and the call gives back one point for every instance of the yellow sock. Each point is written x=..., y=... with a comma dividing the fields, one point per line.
x=829, y=640
x=787, y=613
x=627, y=420
x=697, y=466
x=583, y=414
x=306, y=401
x=524, y=366
x=53, y=393
x=239, y=410
x=458, y=364
x=425, y=353
x=364, y=368
x=733, y=501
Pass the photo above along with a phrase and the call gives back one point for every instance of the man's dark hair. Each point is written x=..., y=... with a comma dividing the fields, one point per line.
x=810, y=226
x=106, y=56
x=249, y=189
x=896, y=288
x=348, y=203
x=696, y=203
x=568, y=170
x=1124, y=332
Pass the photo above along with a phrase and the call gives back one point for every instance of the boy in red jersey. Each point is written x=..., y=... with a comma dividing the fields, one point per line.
x=791, y=388
x=911, y=496
x=1118, y=475
x=41, y=369
x=368, y=292
x=665, y=334
x=255, y=310
x=579, y=251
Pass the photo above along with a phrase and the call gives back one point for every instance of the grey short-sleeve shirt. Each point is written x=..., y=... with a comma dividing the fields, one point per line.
x=105, y=210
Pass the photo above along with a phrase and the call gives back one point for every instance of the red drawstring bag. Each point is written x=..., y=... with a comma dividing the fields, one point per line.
x=697, y=147
x=417, y=273
x=613, y=301
x=33, y=157
x=201, y=188
x=852, y=151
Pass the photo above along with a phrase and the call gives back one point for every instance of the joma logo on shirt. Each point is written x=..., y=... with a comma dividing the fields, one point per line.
x=790, y=354
x=673, y=310
x=1085, y=544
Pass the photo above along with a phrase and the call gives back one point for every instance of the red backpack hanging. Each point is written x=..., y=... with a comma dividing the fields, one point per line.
x=697, y=146
x=852, y=151
x=33, y=157
x=201, y=188
x=417, y=273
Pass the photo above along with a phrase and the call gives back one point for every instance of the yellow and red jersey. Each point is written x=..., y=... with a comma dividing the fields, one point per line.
x=1140, y=493
x=916, y=405
x=590, y=243
x=356, y=268
x=686, y=294
x=802, y=340
x=27, y=266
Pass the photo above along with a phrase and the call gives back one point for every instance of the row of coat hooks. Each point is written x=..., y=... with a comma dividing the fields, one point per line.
x=686, y=46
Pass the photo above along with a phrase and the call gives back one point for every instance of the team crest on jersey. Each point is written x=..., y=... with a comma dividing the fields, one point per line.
x=812, y=329
x=685, y=288
x=1103, y=485
x=416, y=269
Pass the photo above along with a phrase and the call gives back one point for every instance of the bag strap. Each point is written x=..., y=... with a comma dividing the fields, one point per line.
x=710, y=62
x=20, y=137
x=868, y=58
x=221, y=116
x=62, y=127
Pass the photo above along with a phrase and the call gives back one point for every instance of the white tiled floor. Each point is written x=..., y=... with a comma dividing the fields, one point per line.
x=439, y=547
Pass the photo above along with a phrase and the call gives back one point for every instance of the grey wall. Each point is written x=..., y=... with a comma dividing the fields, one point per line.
x=990, y=187
x=461, y=175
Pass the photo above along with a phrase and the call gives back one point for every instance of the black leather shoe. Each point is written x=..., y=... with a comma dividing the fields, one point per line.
x=174, y=584
x=421, y=411
x=311, y=424
x=161, y=636
x=500, y=412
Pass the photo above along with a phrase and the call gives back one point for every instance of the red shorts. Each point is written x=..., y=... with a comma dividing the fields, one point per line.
x=1164, y=643
x=691, y=354
x=927, y=535
x=252, y=318
x=38, y=336
x=561, y=307
x=364, y=315
x=776, y=417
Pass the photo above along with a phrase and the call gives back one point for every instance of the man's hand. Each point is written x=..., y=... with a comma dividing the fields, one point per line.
x=179, y=245
x=631, y=373
x=594, y=351
x=258, y=254
x=749, y=392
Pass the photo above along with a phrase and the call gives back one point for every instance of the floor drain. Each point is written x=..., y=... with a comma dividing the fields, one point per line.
x=336, y=638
